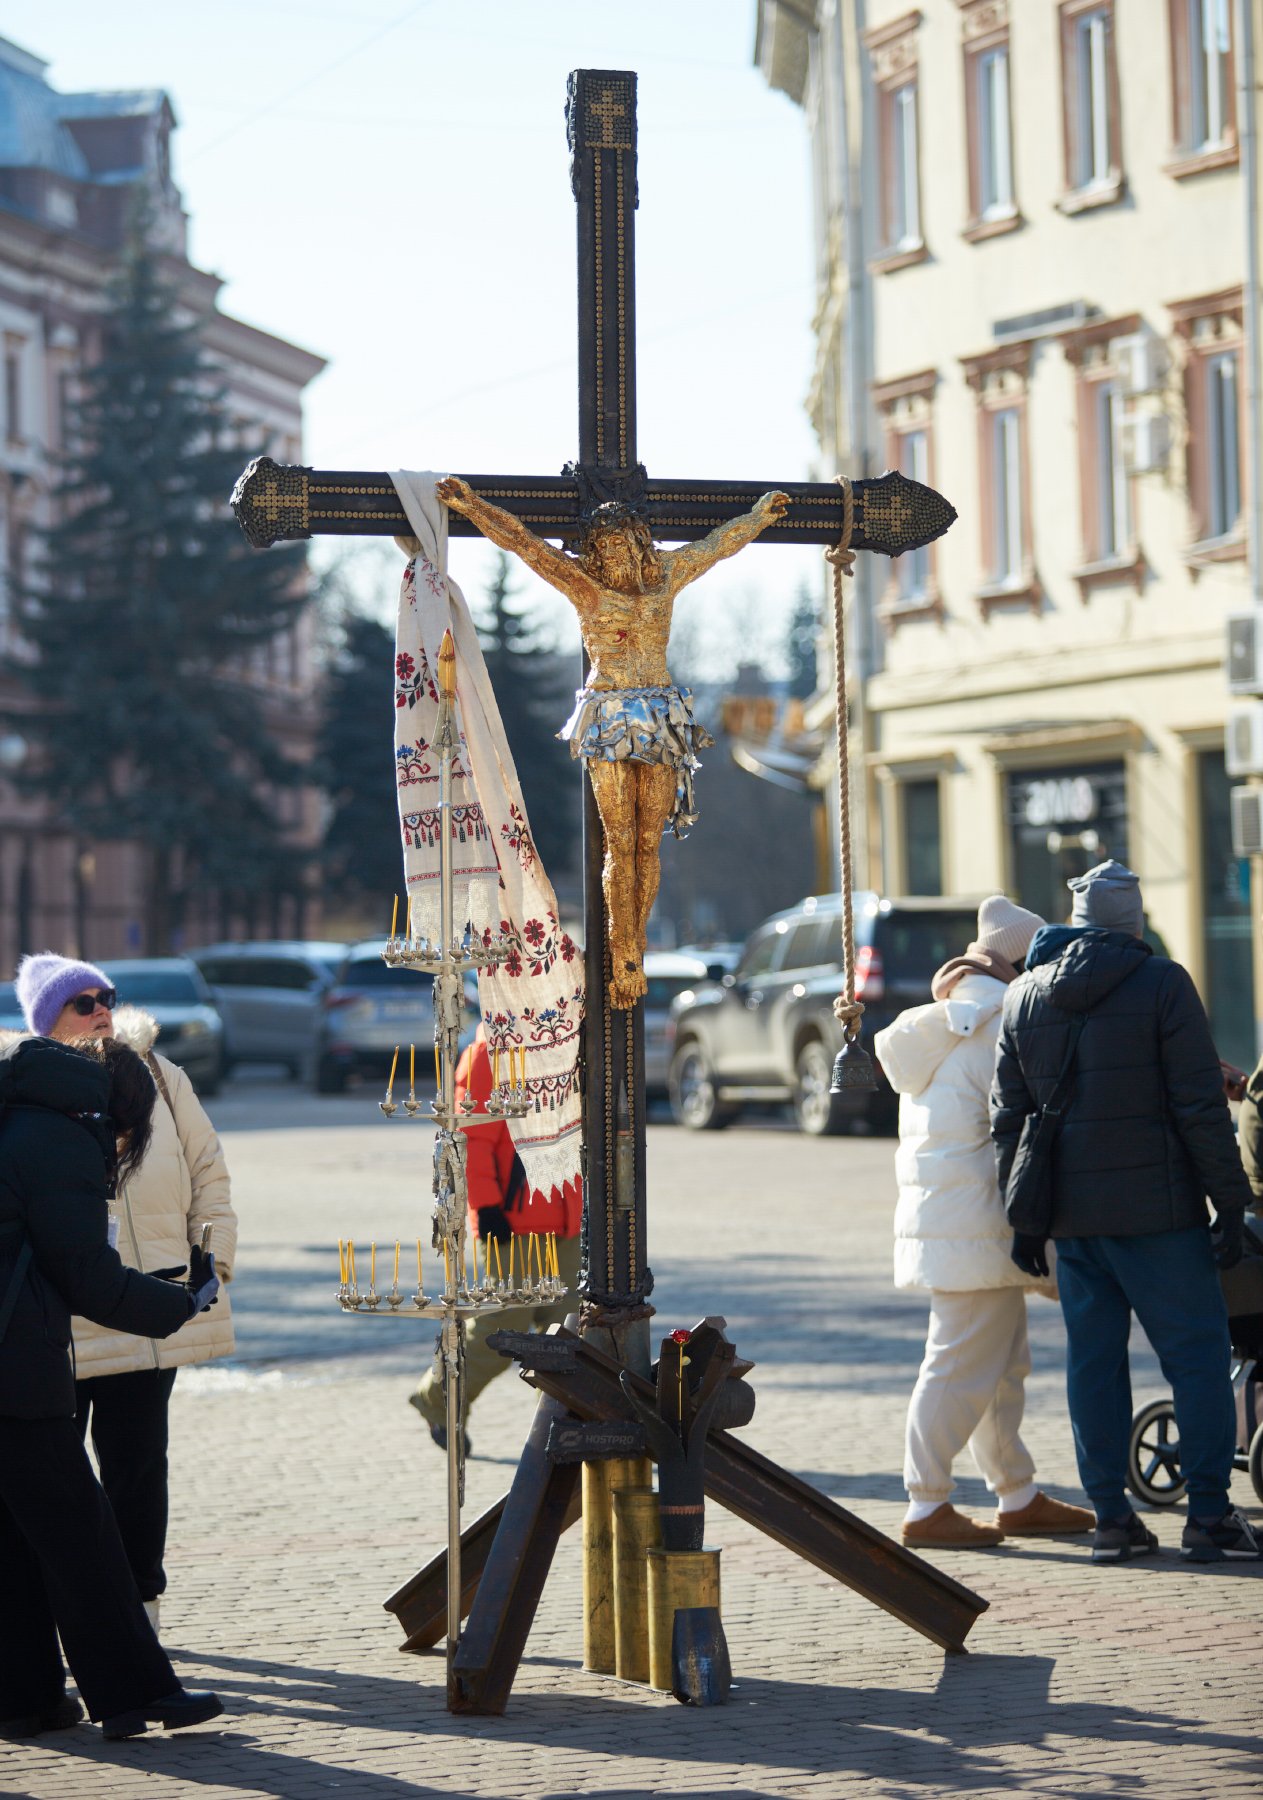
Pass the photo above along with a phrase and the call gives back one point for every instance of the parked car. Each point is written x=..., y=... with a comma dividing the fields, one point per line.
x=365, y=1012
x=190, y=1030
x=670, y=975
x=270, y=994
x=767, y=1032
x=725, y=956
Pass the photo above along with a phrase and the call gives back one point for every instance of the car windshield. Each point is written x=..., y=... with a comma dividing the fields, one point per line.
x=914, y=945
x=156, y=987
x=372, y=972
x=662, y=989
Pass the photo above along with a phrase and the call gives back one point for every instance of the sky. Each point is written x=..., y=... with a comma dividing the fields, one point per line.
x=387, y=185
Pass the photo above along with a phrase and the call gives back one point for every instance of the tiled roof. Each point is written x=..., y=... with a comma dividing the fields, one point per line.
x=34, y=132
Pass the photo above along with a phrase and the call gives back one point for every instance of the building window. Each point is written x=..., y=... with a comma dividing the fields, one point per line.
x=905, y=408
x=1090, y=104
x=1211, y=330
x=922, y=837
x=1000, y=379
x=1202, y=82
x=1107, y=504
x=988, y=118
x=892, y=50
x=13, y=389
x=1061, y=822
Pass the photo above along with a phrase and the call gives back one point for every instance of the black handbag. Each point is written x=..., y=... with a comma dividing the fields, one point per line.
x=1028, y=1199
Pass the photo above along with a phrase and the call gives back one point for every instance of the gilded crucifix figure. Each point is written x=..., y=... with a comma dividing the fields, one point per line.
x=631, y=725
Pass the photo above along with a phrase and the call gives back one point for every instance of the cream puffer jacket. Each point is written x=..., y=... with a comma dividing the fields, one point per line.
x=181, y=1186
x=950, y=1229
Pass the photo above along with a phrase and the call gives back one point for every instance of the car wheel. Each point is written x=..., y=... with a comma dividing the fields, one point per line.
x=330, y=1076
x=694, y=1093
x=813, y=1073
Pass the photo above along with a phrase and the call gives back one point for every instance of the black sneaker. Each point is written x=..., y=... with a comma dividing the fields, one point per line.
x=173, y=1712
x=1233, y=1539
x=1118, y=1540
x=58, y=1716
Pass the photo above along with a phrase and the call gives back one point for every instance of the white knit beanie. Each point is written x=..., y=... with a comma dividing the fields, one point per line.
x=1006, y=930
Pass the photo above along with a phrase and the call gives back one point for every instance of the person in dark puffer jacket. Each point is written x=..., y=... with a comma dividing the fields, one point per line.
x=1145, y=1137
x=64, y=1113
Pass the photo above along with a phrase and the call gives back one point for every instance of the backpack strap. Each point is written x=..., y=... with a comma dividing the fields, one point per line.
x=1061, y=1093
x=160, y=1080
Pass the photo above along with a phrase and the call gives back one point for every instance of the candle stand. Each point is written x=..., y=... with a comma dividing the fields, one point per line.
x=462, y=1295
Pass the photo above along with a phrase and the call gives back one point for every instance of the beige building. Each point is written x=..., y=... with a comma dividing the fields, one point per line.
x=70, y=167
x=1034, y=293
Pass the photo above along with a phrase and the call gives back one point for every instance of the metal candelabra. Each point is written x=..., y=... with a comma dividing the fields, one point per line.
x=461, y=1296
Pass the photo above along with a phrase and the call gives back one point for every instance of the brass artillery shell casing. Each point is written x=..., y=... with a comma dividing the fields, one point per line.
x=676, y=1578
x=600, y=1481
x=636, y=1528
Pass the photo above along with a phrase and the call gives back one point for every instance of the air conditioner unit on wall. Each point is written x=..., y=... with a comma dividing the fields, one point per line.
x=1146, y=442
x=1243, y=739
x=1247, y=820
x=1142, y=362
x=1245, y=653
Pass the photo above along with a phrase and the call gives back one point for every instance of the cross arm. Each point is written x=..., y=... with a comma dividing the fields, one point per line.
x=275, y=502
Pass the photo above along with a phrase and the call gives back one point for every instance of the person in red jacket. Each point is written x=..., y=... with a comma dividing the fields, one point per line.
x=501, y=1206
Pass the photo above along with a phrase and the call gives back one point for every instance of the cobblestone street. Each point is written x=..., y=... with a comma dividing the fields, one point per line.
x=305, y=1490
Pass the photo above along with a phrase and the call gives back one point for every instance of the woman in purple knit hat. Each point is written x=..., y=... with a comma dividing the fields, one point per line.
x=123, y=1379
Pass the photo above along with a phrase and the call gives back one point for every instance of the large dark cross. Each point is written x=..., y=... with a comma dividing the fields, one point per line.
x=891, y=514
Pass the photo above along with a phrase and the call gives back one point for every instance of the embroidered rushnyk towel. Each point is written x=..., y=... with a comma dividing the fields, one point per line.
x=534, y=1000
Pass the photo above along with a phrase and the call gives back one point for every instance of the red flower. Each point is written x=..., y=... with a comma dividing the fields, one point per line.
x=513, y=963
x=567, y=948
x=533, y=932
x=404, y=665
x=680, y=1337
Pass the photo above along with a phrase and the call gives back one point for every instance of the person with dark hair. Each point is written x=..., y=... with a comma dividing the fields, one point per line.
x=1113, y=1041
x=72, y=1120
x=124, y=1381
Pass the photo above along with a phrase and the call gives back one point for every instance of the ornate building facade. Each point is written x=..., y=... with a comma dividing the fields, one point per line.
x=1034, y=291
x=70, y=168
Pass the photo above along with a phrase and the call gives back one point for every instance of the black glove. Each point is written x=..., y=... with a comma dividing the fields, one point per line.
x=202, y=1286
x=1228, y=1236
x=168, y=1274
x=1029, y=1253
x=493, y=1222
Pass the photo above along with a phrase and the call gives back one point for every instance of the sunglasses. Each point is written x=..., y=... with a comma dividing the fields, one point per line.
x=86, y=1004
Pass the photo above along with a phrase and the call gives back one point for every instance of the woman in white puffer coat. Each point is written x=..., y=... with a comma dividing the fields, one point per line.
x=123, y=1383
x=951, y=1237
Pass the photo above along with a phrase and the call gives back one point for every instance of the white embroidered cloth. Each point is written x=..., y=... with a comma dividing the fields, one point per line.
x=534, y=1000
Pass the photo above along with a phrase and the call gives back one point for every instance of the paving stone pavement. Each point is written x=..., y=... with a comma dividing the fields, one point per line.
x=304, y=1491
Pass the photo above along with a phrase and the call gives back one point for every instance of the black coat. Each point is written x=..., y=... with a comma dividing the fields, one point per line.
x=53, y=1196
x=1146, y=1134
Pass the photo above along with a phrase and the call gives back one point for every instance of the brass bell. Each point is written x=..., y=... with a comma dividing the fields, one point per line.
x=853, y=1070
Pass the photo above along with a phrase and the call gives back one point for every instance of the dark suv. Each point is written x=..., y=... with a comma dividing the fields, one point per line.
x=767, y=1031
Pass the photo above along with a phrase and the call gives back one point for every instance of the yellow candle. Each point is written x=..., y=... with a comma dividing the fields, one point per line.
x=395, y=1282
x=552, y=1254
x=412, y=1067
x=495, y=1067
x=394, y=1063
x=372, y=1265
x=438, y=1073
x=499, y=1264
x=512, y=1242
x=350, y=1260
x=517, y=1067
x=447, y=1264
x=418, y=1262
x=394, y=917
x=408, y=927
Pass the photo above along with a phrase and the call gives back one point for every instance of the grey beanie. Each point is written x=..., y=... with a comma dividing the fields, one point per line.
x=1108, y=897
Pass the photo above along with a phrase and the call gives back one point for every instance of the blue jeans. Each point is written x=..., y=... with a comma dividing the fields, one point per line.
x=1169, y=1280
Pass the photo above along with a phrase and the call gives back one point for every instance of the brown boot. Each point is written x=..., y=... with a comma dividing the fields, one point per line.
x=947, y=1529
x=1045, y=1517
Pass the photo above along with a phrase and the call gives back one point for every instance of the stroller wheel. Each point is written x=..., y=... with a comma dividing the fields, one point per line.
x=1153, y=1456
x=1256, y=1462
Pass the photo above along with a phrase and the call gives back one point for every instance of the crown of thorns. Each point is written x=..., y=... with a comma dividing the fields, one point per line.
x=612, y=515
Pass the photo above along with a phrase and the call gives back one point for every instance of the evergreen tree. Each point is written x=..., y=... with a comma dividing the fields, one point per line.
x=534, y=687
x=800, y=644
x=362, y=853
x=144, y=611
